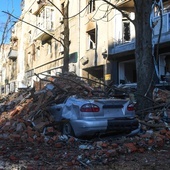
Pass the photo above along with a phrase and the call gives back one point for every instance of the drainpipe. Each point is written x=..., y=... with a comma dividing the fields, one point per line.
x=80, y=71
x=107, y=66
x=107, y=71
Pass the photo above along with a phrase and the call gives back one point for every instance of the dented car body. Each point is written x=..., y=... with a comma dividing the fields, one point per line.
x=94, y=116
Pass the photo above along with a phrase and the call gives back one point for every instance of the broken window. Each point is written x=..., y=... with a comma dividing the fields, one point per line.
x=62, y=8
x=92, y=6
x=30, y=36
x=49, y=47
x=37, y=52
x=91, y=38
x=13, y=70
x=126, y=29
x=45, y=19
x=50, y=18
x=73, y=57
x=29, y=60
x=127, y=72
x=164, y=66
x=47, y=43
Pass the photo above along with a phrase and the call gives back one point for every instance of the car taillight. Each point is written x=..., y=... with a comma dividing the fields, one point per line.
x=130, y=107
x=89, y=108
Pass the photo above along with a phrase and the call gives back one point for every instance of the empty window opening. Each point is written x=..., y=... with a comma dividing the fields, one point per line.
x=126, y=29
x=127, y=72
x=92, y=6
x=91, y=39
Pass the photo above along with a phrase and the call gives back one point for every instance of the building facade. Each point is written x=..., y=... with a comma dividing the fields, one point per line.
x=102, y=40
x=8, y=69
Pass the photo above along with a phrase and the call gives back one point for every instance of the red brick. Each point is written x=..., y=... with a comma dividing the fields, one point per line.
x=50, y=129
x=60, y=168
x=30, y=132
x=13, y=158
x=40, y=139
x=159, y=141
x=69, y=163
x=55, y=138
x=30, y=167
x=114, y=145
x=131, y=147
x=151, y=142
x=168, y=134
x=163, y=131
x=29, y=139
x=2, y=120
x=111, y=153
x=58, y=145
x=19, y=108
x=15, y=137
x=13, y=112
x=104, y=145
x=71, y=140
x=141, y=150
x=146, y=135
x=36, y=157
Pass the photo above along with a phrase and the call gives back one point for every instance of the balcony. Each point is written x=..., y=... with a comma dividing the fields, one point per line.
x=124, y=34
x=13, y=54
x=38, y=5
x=126, y=5
x=120, y=44
x=45, y=30
x=45, y=23
x=165, y=33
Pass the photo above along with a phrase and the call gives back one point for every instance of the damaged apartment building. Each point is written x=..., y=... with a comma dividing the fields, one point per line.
x=101, y=42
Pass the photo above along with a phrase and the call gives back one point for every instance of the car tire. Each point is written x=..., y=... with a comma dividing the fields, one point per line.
x=67, y=129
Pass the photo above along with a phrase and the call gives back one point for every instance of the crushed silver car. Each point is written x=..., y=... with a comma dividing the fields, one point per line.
x=93, y=116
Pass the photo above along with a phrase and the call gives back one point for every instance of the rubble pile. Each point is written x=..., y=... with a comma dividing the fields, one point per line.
x=23, y=115
x=24, y=119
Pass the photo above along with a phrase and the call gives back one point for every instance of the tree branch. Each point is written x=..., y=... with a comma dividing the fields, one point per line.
x=4, y=32
x=55, y=7
x=122, y=12
x=34, y=27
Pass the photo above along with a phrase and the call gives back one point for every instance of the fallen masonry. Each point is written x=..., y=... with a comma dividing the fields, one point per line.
x=25, y=124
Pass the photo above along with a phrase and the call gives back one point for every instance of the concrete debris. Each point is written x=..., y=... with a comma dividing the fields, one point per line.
x=24, y=119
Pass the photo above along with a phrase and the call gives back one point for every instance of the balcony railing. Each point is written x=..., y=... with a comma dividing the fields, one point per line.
x=46, y=26
x=39, y=4
x=45, y=22
x=13, y=54
x=165, y=24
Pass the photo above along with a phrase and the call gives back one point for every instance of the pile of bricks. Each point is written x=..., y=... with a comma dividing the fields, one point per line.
x=23, y=114
x=24, y=119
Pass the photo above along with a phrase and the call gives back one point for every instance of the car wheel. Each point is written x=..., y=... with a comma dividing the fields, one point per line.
x=67, y=129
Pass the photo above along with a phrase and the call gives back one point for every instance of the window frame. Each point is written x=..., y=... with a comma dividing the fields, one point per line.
x=91, y=39
x=92, y=6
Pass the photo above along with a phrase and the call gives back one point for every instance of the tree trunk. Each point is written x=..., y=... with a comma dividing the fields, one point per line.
x=143, y=53
x=66, y=38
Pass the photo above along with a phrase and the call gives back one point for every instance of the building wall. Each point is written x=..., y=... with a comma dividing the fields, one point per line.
x=4, y=68
x=35, y=57
x=40, y=52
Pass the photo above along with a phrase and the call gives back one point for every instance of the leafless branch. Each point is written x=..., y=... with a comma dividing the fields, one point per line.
x=34, y=27
x=121, y=11
x=5, y=29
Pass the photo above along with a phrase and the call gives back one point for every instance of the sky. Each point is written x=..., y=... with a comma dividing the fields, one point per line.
x=13, y=7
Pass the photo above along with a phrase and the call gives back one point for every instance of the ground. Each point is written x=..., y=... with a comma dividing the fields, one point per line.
x=64, y=155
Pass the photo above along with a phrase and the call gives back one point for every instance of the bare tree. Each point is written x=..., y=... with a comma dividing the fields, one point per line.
x=5, y=30
x=66, y=37
x=146, y=75
x=143, y=48
x=66, y=41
